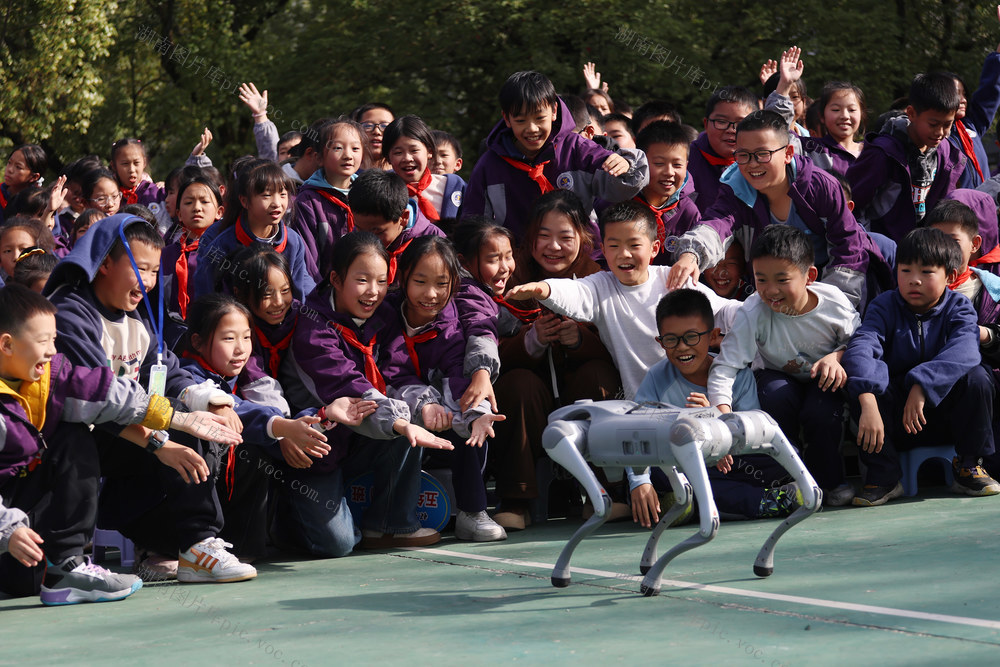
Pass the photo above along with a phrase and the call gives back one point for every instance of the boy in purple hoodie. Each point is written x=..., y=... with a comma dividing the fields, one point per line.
x=535, y=150
x=908, y=168
x=914, y=373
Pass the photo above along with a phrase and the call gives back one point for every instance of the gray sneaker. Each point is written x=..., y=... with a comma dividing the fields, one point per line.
x=77, y=580
x=839, y=496
x=478, y=527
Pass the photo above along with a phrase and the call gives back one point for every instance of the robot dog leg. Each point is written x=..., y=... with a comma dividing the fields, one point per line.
x=566, y=442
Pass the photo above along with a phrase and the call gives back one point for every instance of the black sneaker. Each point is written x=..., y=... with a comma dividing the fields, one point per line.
x=973, y=481
x=872, y=494
x=77, y=579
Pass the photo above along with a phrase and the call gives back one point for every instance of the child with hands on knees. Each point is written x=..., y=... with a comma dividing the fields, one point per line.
x=534, y=149
x=915, y=373
x=745, y=488
x=322, y=214
x=798, y=328
x=336, y=351
x=426, y=350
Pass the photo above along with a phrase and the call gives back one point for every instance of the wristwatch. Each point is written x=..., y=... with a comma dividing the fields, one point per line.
x=156, y=440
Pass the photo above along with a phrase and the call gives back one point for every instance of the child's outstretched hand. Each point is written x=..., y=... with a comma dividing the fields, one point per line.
x=790, y=67
x=232, y=419
x=685, y=267
x=767, y=70
x=538, y=290
x=187, y=462
x=300, y=433
x=206, y=426
x=294, y=456
x=420, y=437
x=206, y=139
x=350, y=411
x=830, y=374
x=593, y=77
x=480, y=388
x=58, y=194
x=436, y=417
x=482, y=428
x=616, y=165
x=23, y=546
x=645, y=505
x=696, y=399
x=257, y=101
x=725, y=464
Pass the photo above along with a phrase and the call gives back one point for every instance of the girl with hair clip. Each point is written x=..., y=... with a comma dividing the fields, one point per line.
x=426, y=350
x=18, y=234
x=33, y=268
x=254, y=213
x=551, y=360
x=218, y=346
x=24, y=170
x=322, y=214
x=337, y=350
x=409, y=148
x=199, y=206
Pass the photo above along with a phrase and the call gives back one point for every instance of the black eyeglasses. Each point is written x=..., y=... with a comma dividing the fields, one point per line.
x=762, y=156
x=721, y=124
x=368, y=127
x=691, y=338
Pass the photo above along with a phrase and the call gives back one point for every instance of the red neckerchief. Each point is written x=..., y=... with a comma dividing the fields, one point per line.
x=967, y=147
x=3, y=200
x=371, y=370
x=523, y=314
x=330, y=197
x=181, y=271
x=717, y=161
x=231, y=454
x=992, y=257
x=245, y=239
x=417, y=190
x=394, y=259
x=274, y=350
x=661, y=230
x=411, y=345
x=130, y=195
x=534, y=172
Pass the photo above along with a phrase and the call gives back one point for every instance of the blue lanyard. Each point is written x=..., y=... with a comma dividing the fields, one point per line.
x=156, y=324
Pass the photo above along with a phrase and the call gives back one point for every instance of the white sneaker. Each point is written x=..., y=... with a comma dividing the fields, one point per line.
x=208, y=561
x=478, y=527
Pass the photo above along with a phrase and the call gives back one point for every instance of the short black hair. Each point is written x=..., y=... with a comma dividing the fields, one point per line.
x=352, y=245
x=89, y=181
x=662, y=132
x=18, y=304
x=951, y=210
x=473, y=231
x=653, y=109
x=205, y=313
x=33, y=264
x=684, y=303
x=786, y=243
x=934, y=91
x=377, y=192
x=765, y=119
x=442, y=137
x=616, y=117
x=429, y=245
x=137, y=230
x=628, y=211
x=140, y=211
x=929, y=246
x=409, y=126
x=845, y=184
x=578, y=109
x=253, y=264
x=737, y=94
x=524, y=92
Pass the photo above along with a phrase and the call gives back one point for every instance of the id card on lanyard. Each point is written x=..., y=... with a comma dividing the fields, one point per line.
x=158, y=372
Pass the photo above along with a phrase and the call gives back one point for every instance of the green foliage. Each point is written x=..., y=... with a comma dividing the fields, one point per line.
x=79, y=74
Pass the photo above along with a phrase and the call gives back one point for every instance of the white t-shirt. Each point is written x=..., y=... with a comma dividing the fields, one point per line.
x=126, y=344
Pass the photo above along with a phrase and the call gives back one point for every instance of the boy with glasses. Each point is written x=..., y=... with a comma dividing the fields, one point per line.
x=770, y=185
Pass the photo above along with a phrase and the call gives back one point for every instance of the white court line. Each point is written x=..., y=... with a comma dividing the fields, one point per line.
x=725, y=590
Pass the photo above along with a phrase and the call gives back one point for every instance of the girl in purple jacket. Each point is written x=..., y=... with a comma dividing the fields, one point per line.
x=843, y=115
x=426, y=350
x=129, y=163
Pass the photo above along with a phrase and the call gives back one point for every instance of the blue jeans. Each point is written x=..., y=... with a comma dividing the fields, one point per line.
x=311, y=510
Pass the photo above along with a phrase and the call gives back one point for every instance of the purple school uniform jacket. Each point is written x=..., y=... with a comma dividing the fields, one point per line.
x=881, y=186
x=705, y=174
x=933, y=350
x=742, y=212
x=985, y=208
x=75, y=394
x=320, y=222
x=980, y=109
x=504, y=193
x=214, y=257
x=827, y=154
x=323, y=366
x=146, y=193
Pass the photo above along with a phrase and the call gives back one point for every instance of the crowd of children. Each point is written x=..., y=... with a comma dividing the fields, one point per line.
x=344, y=306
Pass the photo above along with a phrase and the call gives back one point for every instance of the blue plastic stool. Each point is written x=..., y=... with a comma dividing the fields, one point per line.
x=112, y=538
x=911, y=460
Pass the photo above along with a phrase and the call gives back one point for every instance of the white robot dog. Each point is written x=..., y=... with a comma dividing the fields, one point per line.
x=616, y=434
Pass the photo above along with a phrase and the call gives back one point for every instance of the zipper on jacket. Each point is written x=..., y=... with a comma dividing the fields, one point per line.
x=920, y=335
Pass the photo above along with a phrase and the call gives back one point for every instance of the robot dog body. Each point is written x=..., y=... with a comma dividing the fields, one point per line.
x=617, y=434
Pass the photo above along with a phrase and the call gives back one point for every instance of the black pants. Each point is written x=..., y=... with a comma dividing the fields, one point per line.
x=60, y=498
